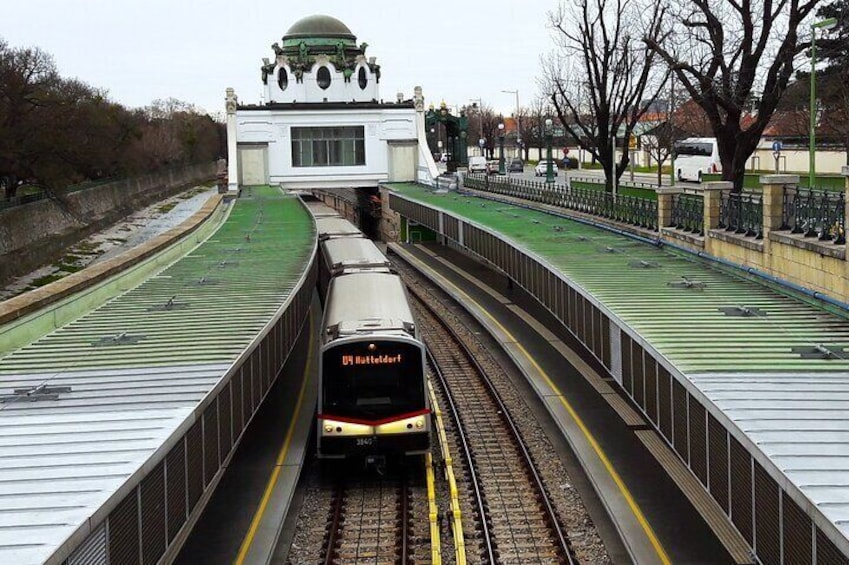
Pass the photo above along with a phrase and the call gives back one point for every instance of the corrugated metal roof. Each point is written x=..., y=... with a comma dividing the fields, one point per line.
x=137, y=367
x=776, y=365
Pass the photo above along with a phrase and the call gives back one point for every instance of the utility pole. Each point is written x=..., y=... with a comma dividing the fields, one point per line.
x=518, y=123
x=670, y=110
x=613, y=168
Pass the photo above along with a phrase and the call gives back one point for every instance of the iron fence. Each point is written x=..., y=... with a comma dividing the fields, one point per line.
x=19, y=200
x=622, y=183
x=688, y=213
x=632, y=210
x=742, y=213
x=820, y=213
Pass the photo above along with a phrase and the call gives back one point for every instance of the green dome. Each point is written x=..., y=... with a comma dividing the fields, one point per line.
x=314, y=29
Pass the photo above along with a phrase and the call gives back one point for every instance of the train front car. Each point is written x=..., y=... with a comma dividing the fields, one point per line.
x=373, y=401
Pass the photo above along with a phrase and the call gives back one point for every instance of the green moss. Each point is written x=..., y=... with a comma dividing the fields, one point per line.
x=165, y=208
x=69, y=267
x=197, y=190
x=86, y=248
x=47, y=279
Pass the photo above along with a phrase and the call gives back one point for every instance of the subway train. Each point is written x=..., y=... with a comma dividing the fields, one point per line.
x=372, y=401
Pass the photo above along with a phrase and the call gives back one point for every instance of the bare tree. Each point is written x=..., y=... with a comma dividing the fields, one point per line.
x=835, y=80
x=603, y=78
x=836, y=99
x=26, y=77
x=533, y=130
x=55, y=132
x=733, y=57
x=483, y=124
x=490, y=129
x=669, y=125
x=659, y=143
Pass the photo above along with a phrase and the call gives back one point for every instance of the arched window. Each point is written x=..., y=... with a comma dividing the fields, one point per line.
x=362, y=78
x=323, y=77
x=282, y=78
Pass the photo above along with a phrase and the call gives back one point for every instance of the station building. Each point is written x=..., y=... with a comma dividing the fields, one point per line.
x=323, y=123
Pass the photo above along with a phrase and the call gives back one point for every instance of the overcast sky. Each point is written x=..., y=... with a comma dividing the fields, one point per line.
x=142, y=50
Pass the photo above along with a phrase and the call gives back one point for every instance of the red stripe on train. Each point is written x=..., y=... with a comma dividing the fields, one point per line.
x=395, y=418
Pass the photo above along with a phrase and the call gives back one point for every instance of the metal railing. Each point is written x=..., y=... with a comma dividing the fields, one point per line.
x=85, y=185
x=742, y=213
x=632, y=210
x=688, y=213
x=812, y=212
x=20, y=200
x=622, y=182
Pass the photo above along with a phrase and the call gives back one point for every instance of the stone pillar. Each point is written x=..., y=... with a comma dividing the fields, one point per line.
x=712, y=192
x=665, y=197
x=773, y=190
x=232, y=146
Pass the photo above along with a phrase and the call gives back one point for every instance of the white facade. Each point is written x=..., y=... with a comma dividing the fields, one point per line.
x=387, y=131
x=283, y=86
x=320, y=78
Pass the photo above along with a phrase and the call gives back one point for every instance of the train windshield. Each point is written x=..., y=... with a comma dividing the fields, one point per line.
x=372, y=380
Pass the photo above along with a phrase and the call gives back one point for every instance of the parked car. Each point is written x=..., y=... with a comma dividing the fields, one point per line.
x=477, y=164
x=492, y=167
x=515, y=165
x=542, y=168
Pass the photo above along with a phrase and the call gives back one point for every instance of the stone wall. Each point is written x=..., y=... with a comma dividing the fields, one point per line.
x=36, y=234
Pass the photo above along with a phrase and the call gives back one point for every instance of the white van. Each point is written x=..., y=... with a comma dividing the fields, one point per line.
x=696, y=156
x=477, y=164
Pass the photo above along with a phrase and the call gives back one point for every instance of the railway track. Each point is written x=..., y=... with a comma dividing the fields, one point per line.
x=515, y=520
x=522, y=510
x=352, y=515
x=369, y=523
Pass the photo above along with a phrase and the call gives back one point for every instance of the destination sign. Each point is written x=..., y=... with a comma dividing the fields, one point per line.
x=360, y=360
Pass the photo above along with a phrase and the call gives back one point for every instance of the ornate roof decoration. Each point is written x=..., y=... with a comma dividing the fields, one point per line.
x=319, y=36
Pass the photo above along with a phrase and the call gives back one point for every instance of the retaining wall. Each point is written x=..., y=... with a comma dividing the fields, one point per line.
x=38, y=233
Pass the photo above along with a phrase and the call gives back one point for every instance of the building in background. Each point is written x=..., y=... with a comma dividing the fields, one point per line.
x=323, y=123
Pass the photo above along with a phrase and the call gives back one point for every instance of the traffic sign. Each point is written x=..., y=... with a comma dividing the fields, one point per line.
x=776, y=146
x=481, y=142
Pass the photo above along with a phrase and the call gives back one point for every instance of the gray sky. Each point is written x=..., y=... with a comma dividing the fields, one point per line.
x=141, y=50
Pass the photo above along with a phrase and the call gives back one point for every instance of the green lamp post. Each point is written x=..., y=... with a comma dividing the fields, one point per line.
x=501, y=170
x=549, y=166
x=826, y=24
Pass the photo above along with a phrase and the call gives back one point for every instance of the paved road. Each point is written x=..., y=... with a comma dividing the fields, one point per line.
x=646, y=178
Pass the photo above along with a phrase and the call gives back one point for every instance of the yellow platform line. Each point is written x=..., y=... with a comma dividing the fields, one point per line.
x=281, y=458
x=454, y=505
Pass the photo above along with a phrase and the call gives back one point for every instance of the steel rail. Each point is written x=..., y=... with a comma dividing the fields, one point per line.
x=554, y=524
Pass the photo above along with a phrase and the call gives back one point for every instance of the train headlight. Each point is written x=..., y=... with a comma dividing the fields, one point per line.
x=420, y=423
x=328, y=428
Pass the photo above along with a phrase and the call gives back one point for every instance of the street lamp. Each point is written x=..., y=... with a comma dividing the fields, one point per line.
x=501, y=170
x=518, y=125
x=549, y=169
x=825, y=24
